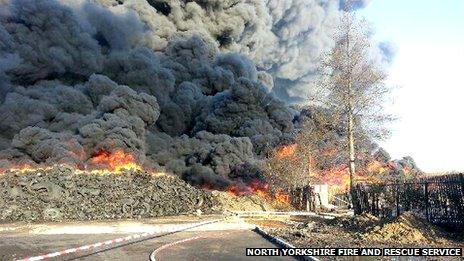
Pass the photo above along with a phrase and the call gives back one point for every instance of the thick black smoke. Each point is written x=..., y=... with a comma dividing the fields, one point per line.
x=282, y=37
x=78, y=78
x=184, y=86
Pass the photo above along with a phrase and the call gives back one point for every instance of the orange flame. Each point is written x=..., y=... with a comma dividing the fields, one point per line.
x=287, y=151
x=282, y=197
x=337, y=178
x=255, y=187
x=407, y=170
x=259, y=189
x=101, y=163
x=376, y=167
x=24, y=168
x=116, y=161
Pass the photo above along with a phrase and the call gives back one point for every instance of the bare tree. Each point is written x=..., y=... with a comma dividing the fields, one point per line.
x=352, y=85
x=287, y=167
x=312, y=151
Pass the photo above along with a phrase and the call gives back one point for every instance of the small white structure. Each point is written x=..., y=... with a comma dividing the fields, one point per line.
x=321, y=193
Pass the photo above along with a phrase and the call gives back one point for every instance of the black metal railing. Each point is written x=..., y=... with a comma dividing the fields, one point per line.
x=438, y=199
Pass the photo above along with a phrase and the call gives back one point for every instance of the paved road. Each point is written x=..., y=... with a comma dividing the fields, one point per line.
x=213, y=245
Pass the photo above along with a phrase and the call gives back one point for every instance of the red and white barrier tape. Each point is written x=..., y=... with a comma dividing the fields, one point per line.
x=117, y=240
x=153, y=254
x=156, y=251
x=138, y=236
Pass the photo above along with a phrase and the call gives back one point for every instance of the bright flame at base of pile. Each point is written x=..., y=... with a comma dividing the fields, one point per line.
x=101, y=163
x=116, y=161
x=260, y=189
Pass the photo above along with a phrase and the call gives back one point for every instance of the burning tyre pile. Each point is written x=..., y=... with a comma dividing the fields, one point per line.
x=183, y=87
x=62, y=194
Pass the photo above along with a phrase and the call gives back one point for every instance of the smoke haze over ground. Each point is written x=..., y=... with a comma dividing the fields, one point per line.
x=184, y=86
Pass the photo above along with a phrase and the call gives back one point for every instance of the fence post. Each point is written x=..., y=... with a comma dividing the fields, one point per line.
x=397, y=199
x=461, y=177
x=356, y=200
x=307, y=197
x=426, y=195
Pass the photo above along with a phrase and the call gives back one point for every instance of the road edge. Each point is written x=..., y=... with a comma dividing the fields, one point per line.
x=280, y=242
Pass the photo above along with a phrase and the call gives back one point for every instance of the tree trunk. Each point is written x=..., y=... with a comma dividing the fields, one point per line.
x=352, y=165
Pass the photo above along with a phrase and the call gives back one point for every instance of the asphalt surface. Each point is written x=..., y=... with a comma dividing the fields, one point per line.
x=212, y=245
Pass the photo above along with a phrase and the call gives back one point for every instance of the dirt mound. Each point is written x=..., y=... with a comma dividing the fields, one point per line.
x=357, y=223
x=226, y=201
x=61, y=194
x=406, y=229
x=366, y=230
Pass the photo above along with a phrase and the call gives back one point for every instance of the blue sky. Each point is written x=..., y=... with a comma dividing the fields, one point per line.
x=428, y=76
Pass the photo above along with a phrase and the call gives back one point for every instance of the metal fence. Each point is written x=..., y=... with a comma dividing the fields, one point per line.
x=303, y=198
x=439, y=199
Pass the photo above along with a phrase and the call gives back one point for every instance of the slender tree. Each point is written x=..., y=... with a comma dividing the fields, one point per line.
x=353, y=86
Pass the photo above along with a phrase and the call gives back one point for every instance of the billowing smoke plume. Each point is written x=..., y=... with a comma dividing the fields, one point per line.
x=184, y=86
x=79, y=78
x=285, y=38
